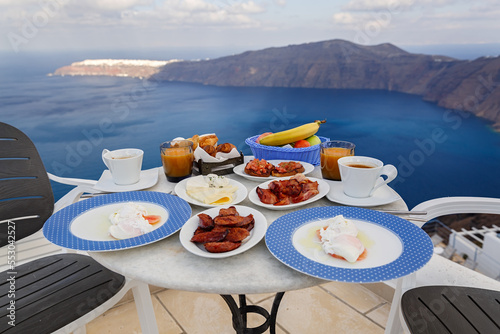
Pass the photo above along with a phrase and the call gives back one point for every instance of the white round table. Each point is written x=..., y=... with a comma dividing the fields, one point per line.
x=167, y=264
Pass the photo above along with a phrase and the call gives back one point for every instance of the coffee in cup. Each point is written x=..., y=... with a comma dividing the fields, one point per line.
x=361, y=176
x=125, y=165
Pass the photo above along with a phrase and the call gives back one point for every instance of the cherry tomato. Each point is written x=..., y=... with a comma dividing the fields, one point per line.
x=152, y=219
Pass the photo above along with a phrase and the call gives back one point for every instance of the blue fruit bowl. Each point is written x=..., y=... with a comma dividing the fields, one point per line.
x=307, y=154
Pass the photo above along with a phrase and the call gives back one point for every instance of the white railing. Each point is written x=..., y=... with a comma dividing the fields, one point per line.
x=481, y=255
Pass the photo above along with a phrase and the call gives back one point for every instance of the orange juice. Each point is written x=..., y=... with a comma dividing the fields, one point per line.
x=177, y=163
x=329, y=161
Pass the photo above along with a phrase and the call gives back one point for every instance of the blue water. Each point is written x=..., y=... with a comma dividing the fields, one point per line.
x=71, y=119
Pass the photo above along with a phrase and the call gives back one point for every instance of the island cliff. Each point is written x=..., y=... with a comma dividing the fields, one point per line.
x=460, y=85
x=114, y=67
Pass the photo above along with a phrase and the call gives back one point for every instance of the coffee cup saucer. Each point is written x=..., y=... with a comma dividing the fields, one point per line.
x=148, y=178
x=381, y=196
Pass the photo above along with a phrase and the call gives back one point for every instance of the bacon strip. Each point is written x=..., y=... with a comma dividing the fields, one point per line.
x=266, y=196
x=304, y=196
x=285, y=200
x=283, y=192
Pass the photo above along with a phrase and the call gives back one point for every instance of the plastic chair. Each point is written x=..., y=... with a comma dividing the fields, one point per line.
x=451, y=309
x=440, y=271
x=58, y=293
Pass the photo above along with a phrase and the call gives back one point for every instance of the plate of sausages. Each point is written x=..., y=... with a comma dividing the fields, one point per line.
x=223, y=231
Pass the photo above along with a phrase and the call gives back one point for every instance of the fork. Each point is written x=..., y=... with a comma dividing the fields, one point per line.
x=404, y=212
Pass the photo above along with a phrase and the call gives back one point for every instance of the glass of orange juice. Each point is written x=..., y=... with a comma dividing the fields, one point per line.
x=330, y=153
x=177, y=158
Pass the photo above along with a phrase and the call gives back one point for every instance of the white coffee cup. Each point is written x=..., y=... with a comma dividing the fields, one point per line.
x=361, y=176
x=125, y=165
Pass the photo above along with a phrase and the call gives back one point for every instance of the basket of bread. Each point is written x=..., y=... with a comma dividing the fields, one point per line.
x=298, y=144
x=210, y=157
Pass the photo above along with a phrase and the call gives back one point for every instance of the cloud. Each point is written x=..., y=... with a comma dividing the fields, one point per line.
x=190, y=5
x=418, y=21
x=370, y=5
x=395, y=5
x=249, y=7
x=4, y=3
x=46, y=24
x=113, y=5
x=405, y=13
x=86, y=23
x=344, y=18
x=99, y=5
x=134, y=12
x=486, y=6
x=174, y=13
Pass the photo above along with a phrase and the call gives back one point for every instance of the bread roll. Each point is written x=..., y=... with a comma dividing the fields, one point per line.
x=210, y=150
x=208, y=140
x=195, y=139
x=225, y=148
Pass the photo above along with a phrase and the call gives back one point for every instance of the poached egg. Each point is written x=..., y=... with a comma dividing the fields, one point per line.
x=129, y=222
x=340, y=238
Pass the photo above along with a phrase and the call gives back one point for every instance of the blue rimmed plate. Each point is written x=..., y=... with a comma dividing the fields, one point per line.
x=395, y=247
x=84, y=225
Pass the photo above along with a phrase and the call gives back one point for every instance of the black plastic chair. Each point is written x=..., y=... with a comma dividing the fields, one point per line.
x=47, y=294
x=451, y=309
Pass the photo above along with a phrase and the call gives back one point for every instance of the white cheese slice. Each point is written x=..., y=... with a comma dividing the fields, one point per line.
x=218, y=192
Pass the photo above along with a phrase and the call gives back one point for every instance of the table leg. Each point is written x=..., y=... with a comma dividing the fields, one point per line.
x=274, y=311
x=243, y=306
x=240, y=314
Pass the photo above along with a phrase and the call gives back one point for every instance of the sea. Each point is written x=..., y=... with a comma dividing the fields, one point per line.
x=438, y=152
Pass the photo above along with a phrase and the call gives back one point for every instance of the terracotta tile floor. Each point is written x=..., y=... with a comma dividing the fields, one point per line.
x=330, y=308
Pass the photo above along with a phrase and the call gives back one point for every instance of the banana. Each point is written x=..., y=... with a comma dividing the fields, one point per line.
x=292, y=135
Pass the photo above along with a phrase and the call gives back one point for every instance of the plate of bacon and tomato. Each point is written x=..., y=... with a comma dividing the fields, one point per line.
x=263, y=170
x=288, y=192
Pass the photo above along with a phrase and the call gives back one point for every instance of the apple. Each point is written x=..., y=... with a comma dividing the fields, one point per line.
x=301, y=143
x=314, y=140
x=262, y=136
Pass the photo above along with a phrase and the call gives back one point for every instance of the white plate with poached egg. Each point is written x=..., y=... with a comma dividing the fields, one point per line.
x=395, y=246
x=84, y=225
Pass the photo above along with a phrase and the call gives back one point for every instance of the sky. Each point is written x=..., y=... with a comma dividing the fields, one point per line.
x=239, y=25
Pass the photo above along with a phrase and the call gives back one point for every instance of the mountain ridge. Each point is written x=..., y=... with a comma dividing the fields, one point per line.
x=459, y=85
